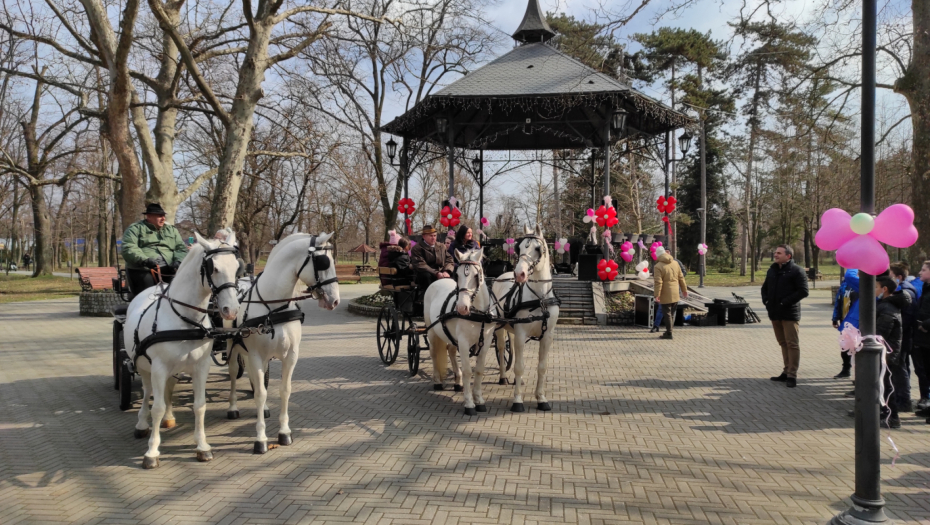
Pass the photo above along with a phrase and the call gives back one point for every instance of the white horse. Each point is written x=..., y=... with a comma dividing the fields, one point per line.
x=299, y=258
x=526, y=296
x=467, y=295
x=209, y=269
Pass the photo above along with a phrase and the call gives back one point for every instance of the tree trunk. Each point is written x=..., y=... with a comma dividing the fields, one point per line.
x=747, y=197
x=42, y=227
x=915, y=86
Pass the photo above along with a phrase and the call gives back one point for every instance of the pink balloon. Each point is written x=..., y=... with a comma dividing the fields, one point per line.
x=865, y=253
x=626, y=246
x=557, y=245
x=626, y=256
x=834, y=230
x=895, y=226
x=566, y=246
x=590, y=212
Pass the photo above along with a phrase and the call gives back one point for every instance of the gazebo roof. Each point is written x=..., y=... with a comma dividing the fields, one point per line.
x=363, y=248
x=534, y=97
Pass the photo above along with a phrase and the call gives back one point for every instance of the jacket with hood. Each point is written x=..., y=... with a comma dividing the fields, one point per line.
x=847, y=301
x=668, y=280
x=398, y=258
x=922, y=319
x=784, y=287
x=888, y=322
x=909, y=313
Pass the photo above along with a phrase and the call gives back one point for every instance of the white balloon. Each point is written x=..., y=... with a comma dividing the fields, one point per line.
x=586, y=219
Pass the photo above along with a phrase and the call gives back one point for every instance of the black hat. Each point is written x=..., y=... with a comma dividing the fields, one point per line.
x=154, y=208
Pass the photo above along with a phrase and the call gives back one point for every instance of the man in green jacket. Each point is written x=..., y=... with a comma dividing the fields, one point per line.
x=150, y=244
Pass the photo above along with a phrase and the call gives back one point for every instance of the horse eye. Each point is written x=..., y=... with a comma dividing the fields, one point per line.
x=538, y=250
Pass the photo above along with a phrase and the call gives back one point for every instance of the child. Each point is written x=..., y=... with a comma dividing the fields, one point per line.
x=888, y=325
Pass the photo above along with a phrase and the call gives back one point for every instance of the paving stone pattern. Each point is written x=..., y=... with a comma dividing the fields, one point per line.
x=642, y=431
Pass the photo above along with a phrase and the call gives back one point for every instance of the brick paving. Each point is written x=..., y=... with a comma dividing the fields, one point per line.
x=642, y=431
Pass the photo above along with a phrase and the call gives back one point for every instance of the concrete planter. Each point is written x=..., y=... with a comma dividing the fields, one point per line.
x=98, y=304
x=363, y=309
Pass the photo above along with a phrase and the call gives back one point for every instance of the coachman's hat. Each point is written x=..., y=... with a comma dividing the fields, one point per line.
x=154, y=208
x=428, y=229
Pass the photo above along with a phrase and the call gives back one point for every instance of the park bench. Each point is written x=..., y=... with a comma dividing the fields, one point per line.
x=362, y=269
x=93, y=279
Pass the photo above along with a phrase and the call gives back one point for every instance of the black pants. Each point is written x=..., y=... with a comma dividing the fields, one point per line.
x=668, y=314
x=139, y=280
x=847, y=360
x=921, y=357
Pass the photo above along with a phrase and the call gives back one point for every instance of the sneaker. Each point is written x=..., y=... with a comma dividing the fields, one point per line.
x=783, y=377
x=923, y=403
x=851, y=393
x=892, y=422
x=844, y=373
x=923, y=412
x=792, y=382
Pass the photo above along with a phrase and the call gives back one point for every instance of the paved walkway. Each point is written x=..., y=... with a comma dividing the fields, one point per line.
x=642, y=431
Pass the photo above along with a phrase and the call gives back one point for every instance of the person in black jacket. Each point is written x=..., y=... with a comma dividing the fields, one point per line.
x=398, y=258
x=889, y=326
x=921, y=350
x=784, y=287
x=464, y=241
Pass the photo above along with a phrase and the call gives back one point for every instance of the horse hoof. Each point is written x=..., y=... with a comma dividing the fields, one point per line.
x=204, y=455
x=169, y=423
x=437, y=387
x=481, y=408
x=284, y=439
x=470, y=411
x=502, y=381
x=260, y=447
x=140, y=433
x=517, y=407
x=149, y=463
x=267, y=413
x=232, y=414
x=458, y=388
x=545, y=407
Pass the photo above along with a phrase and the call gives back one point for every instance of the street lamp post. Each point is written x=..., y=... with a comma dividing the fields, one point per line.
x=868, y=504
x=684, y=143
x=392, y=151
x=703, y=210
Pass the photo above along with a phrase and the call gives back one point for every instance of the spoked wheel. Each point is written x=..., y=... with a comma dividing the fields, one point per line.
x=118, y=345
x=391, y=326
x=125, y=383
x=413, y=350
x=508, y=353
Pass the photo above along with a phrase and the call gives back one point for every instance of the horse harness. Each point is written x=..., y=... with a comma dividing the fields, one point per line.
x=199, y=331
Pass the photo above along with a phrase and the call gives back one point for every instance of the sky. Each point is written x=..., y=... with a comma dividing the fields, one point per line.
x=704, y=16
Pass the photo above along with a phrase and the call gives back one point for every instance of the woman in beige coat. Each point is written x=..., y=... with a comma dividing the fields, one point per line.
x=668, y=281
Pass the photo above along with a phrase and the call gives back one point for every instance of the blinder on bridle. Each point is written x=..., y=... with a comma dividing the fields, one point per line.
x=479, y=274
x=321, y=263
x=539, y=249
x=207, y=267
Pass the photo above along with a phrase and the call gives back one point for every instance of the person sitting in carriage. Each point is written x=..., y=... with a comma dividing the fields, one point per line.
x=430, y=259
x=399, y=259
x=151, y=246
x=464, y=241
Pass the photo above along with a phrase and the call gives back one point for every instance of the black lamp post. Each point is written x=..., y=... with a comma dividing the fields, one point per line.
x=445, y=132
x=684, y=143
x=391, y=152
x=477, y=166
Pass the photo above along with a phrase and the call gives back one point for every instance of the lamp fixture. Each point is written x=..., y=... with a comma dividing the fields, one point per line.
x=618, y=120
x=441, y=124
x=684, y=141
x=476, y=164
x=391, y=149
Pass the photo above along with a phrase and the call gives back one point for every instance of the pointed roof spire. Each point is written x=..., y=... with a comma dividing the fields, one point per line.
x=534, y=27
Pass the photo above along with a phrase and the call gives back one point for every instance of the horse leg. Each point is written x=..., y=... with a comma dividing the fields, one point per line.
x=437, y=351
x=159, y=383
x=287, y=370
x=142, y=425
x=466, y=375
x=169, y=421
x=479, y=373
x=233, y=411
x=517, y=343
x=201, y=370
x=500, y=342
x=456, y=369
x=257, y=365
x=544, y=346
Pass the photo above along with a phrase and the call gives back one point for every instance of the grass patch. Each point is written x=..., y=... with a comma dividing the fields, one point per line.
x=714, y=277
x=18, y=288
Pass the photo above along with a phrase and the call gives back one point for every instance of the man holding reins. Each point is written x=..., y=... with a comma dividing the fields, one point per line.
x=151, y=246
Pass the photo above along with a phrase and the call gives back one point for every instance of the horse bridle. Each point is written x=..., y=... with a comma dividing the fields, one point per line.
x=524, y=256
x=320, y=262
x=479, y=274
x=207, y=267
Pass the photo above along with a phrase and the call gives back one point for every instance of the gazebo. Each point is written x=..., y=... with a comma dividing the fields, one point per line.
x=534, y=97
x=364, y=249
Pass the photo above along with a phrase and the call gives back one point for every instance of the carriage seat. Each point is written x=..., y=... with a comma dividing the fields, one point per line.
x=391, y=282
x=120, y=310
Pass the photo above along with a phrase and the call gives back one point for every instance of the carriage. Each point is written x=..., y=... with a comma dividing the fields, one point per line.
x=403, y=317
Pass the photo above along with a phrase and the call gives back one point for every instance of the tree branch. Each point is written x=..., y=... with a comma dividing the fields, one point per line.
x=322, y=10
x=196, y=184
x=292, y=52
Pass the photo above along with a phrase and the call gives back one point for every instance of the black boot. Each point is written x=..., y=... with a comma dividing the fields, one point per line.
x=844, y=373
x=782, y=378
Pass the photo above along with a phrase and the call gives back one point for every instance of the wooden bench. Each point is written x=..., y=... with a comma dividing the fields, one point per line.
x=390, y=274
x=97, y=278
x=361, y=269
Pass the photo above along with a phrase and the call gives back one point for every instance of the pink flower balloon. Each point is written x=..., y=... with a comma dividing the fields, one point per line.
x=894, y=226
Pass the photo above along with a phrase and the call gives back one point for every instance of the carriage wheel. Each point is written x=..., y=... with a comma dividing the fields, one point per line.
x=508, y=354
x=413, y=350
x=391, y=326
x=118, y=345
x=125, y=385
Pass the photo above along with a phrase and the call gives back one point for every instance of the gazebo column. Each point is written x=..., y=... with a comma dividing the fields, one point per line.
x=607, y=154
x=480, y=185
x=451, y=162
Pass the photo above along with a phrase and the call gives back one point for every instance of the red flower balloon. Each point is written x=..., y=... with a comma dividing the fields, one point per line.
x=607, y=270
x=602, y=264
x=666, y=205
x=406, y=206
x=606, y=216
x=449, y=217
x=602, y=275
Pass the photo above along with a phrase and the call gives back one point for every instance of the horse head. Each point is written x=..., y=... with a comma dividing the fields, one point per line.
x=533, y=252
x=219, y=266
x=469, y=279
x=318, y=272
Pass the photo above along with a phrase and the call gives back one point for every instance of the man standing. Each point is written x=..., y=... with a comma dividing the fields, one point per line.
x=431, y=260
x=784, y=287
x=668, y=280
x=150, y=244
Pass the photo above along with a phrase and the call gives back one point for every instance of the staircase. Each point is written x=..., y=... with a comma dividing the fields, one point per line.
x=577, y=300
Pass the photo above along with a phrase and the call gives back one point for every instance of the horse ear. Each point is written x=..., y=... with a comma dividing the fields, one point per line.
x=230, y=237
x=202, y=242
x=527, y=230
x=323, y=238
x=539, y=232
